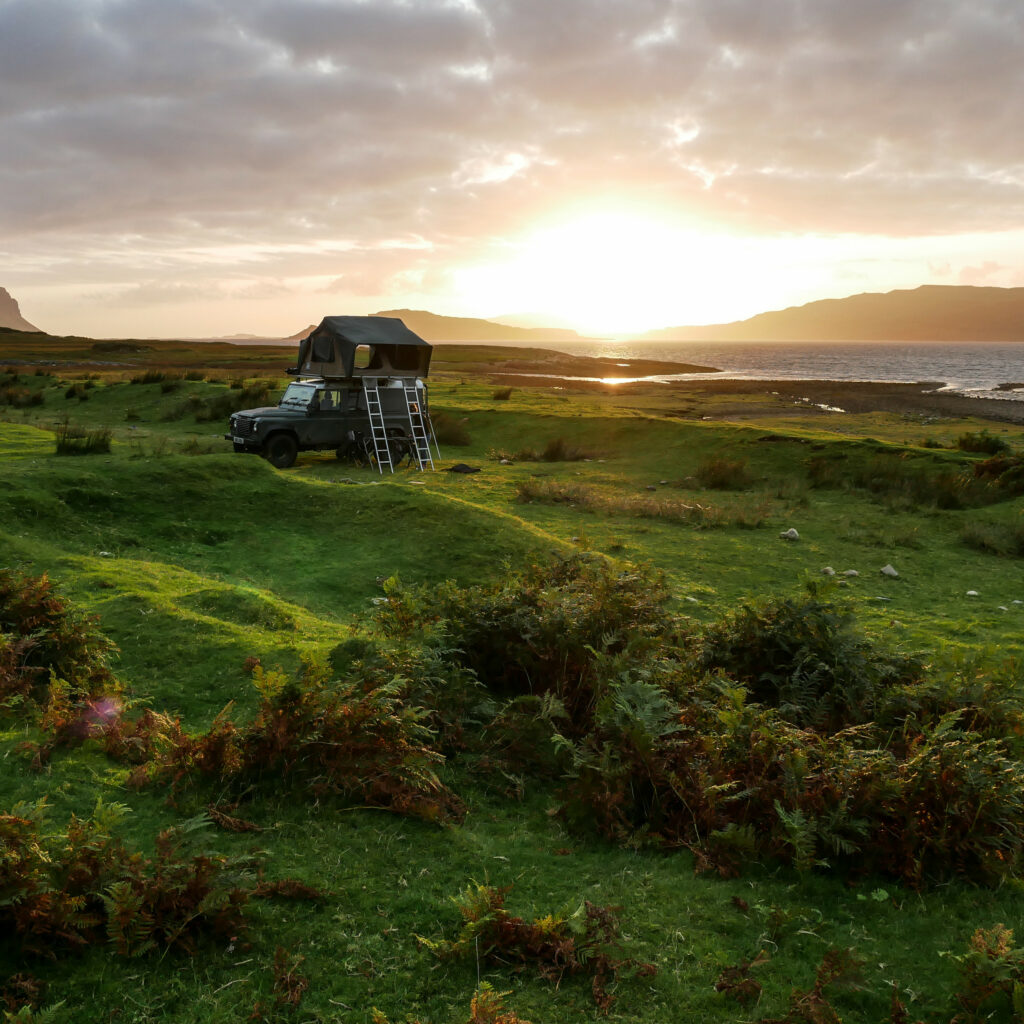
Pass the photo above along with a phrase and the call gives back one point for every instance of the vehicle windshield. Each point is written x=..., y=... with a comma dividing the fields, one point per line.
x=297, y=396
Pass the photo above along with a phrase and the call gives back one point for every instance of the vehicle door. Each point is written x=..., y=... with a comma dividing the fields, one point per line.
x=325, y=426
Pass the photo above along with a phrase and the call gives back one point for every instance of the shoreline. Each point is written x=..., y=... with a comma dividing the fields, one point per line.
x=822, y=396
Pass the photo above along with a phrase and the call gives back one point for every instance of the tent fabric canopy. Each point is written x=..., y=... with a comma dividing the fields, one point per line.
x=389, y=348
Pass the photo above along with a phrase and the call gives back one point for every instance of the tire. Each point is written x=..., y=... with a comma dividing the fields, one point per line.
x=280, y=451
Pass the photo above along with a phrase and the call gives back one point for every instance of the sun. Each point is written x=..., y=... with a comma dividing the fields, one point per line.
x=612, y=271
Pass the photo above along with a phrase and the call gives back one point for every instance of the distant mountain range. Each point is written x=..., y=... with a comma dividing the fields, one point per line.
x=434, y=327
x=928, y=313
x=10, y=314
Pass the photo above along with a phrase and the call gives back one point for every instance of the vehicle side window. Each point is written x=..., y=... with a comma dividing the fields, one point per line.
x=330, y=401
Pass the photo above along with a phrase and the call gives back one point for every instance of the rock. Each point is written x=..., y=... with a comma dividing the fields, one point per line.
x=663, y=482
x=888, y=570
x=790, y=534
x=504, y=462
x=972, y=593
x=692, y=600
x=651, y=487
x=106, y=554
x=828, y=571
x=1003, y=608
x=852, y=573
x=1018, y=602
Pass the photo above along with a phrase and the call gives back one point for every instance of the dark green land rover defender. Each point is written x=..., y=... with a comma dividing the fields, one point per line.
x=359, y=391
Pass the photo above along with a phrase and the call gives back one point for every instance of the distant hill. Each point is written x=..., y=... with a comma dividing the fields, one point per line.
x=434, y=327
x=928, y=313
x=10, y=314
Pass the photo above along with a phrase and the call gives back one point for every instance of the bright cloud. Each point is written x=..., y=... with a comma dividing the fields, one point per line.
x=405, y=151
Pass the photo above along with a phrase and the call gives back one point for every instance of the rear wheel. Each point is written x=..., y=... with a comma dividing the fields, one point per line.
x=280, y=451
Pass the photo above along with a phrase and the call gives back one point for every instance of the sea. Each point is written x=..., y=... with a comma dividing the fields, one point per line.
x=976, y=369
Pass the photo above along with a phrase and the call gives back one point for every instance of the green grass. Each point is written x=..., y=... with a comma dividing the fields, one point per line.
x=195, y=563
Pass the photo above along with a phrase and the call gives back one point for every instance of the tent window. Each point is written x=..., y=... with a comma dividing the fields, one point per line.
x=363, y=355
x=323, y=350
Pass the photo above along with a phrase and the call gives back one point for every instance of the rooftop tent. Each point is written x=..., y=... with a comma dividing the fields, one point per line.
x=362, y=346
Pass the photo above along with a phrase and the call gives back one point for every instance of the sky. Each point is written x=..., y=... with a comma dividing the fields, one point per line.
x=205, y=167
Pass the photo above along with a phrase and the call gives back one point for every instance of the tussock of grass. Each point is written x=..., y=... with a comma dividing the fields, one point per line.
x=450, y=430
x=79, y=441
x=721, y=474
x=643, y=506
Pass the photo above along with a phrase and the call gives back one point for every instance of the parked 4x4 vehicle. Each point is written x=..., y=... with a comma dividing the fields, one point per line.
x=320, y=415
x=359, y=391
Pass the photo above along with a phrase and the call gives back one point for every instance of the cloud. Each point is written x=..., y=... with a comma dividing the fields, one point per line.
x=265, y=123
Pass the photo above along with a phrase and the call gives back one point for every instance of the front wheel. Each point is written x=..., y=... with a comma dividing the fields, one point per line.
x=281, y=450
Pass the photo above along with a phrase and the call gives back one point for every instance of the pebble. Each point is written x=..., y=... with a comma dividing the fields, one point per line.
x=888, y=570
x=851, y=573
x=828, y=571
x=972, y=593
x=790, y=534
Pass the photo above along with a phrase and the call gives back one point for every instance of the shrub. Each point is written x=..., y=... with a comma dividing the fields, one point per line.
x=449, y=430
x=992, y=974
x=79, y=441
x=806, y=658
x=59, y=892
x=222, y=406
x=502, y=394
x=584, y=941
x=358, y=742
x=982, y=442
x=549, y=628
x=722, y=474
x=1007, y=471
x=77, y=391
x=42, y=636
x=20, y=398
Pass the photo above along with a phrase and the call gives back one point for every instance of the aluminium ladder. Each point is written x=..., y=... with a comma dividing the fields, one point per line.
x=419, y=424
x=378, y=431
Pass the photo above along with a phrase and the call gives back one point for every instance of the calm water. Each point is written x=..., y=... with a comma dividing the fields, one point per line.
x=974, y=368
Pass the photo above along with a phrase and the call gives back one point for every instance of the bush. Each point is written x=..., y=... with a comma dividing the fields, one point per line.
x=502, y=394
x=59, y=892
x=449, y=430
x=43, y=637
x=585, y=941
x=806, y=658
x=1007, y=471
x=20, y=398
x=352, y=739
x=551, y=628
x=982, y=442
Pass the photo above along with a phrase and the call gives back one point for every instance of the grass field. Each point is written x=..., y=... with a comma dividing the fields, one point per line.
x=196, y=559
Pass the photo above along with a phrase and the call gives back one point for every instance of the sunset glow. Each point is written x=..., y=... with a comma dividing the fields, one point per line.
x=253, y=167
